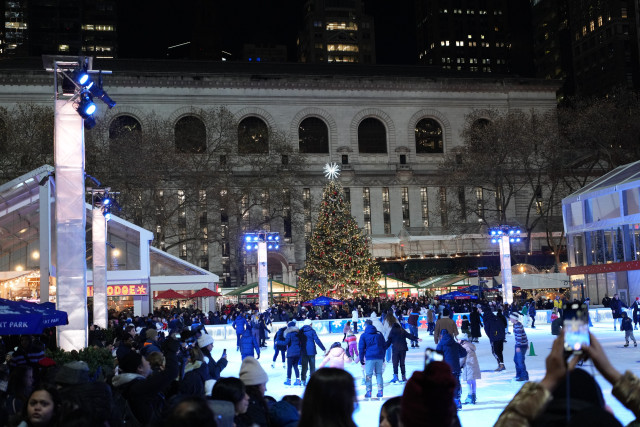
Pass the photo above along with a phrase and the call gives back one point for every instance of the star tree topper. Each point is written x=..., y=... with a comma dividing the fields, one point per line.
x=331, y=171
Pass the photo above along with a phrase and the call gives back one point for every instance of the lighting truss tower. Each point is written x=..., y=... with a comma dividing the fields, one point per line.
x=71, y=112
x=262, y=242
x=504, y=235
x=100, y=203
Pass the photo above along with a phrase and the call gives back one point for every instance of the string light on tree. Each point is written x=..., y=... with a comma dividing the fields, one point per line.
x=331, y=171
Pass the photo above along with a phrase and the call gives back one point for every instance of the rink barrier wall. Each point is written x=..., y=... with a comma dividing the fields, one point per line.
x=335, y=326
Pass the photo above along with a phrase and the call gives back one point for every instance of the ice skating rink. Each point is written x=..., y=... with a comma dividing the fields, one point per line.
x=494, y=390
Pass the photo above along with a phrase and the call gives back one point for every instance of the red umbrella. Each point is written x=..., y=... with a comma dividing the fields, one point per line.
x=170, y=294
x=205, y=292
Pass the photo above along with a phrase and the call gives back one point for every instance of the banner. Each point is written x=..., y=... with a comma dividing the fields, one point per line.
x=121, y=290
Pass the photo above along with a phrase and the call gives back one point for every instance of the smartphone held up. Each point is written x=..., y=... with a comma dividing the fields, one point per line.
x=576, y=327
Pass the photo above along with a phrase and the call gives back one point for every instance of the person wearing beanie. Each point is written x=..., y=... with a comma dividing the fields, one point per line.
x=445, y=322
x=521, y=346
x=255, y=379
x=428, y=395
x=151, y=343
x=308, y=340
x=205, y=344
x=292, y=341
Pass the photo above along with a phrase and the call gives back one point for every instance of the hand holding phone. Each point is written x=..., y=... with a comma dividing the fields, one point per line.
x=576, y=328
x=432, y=355
x=224, y=353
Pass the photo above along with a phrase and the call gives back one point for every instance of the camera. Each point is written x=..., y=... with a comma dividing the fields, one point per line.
x=576, y=327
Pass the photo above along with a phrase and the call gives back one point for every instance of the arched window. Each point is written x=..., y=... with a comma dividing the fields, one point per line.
x=124, y=127
x=428, y=137
x=372, y=136
x=313, y=136
x=191, y=135
x=253, y=136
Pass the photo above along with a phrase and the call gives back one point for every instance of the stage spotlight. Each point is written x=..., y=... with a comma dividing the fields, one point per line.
x=270, y=247
x=98, y=92
x=248, y=247
x=86, y=107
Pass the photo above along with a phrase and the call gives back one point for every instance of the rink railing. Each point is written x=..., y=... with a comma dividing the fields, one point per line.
x=335, y=326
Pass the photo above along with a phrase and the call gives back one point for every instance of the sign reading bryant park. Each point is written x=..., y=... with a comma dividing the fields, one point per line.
x=121, y=290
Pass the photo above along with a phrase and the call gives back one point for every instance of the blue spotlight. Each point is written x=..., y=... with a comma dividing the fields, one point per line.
x=106, y=201
x=255, y=247
x=98, y=92
x=517, y=231
x=517, y=239
x=247, y=238
x=277, y=247
x=494, y=240
x=493, y=232
x=248, y=248
x=270, y=237
x=270, y=246
x=86, y=107
x=277, y=238
x=255, y=239
x=511, y=232
x=512, y=240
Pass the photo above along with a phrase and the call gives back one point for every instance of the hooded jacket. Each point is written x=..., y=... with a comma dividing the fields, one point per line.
x=452, y=351
x=196, y=380
x=371, y=345
x=247, y=343
x=309, y=339
x=292, y=338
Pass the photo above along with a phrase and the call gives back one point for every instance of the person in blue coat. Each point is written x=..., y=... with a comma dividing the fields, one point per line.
x=452, y=351
x=292, y=341
x=532, y=313
x=372, y=348
x=309, y=339
x=248, y=342
x=616, y=305
x=240, y=324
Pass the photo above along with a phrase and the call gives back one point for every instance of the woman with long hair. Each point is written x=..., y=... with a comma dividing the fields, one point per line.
x=232, y=390
x=329, y=399
x=42, y=408
x=389, y=321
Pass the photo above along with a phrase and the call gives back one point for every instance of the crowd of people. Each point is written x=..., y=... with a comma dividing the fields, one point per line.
x=166, y=375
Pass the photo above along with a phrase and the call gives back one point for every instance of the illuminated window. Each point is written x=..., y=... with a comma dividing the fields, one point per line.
x=63, y=48
x=592, y=26
x=469, y=36
x=16, y=25
x=428, y=136
x=350, y=26
x=599, y=21
x=584, y=31
x=405, y=207
x=446, y=42
x=623, y=13
x=342, y=48
x=424, y=200
x=366, y=204
x=459, y=43
x=386, y=210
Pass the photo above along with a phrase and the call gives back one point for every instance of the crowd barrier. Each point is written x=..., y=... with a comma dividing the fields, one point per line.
x=332, y=326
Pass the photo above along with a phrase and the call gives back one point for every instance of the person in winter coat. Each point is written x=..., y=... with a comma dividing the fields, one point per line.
x=292, y=341
x=470, y=370
x=308, y=340
x=248, y=343
x=371, y=349
x=255, y=380
x=240, y=324
x=352, y=349
x=521, y=346
x=465, y=327
x=431, y=322
x=264, y=330
x=196, y=380
x=354, y=320
x=627, y=327
x=389, y=321
x=445, y=322
x=205, y=343
x=346, y=330
x=494, y=328
x=255, y=327
x=532, y=313
x=397, y=341
x=475, y=321
x=141, y=388
x=525, y=313
x=636, y=313
x=413, y=324
x=452, y=351
x=280, y=346
x=335, y=357
x=616, y=305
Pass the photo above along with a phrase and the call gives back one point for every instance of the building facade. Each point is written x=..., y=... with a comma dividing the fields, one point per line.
x=389, y=133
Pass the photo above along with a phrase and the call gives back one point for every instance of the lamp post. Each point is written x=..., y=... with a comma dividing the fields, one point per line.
x=262, y=242
x=504, y=235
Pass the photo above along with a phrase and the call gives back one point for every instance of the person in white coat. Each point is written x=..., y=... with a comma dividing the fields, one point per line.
x=389, y=320
x=470, y=370
x=354, y=320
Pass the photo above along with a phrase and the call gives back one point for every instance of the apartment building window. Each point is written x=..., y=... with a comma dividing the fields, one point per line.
x=183, y=251
x=444, y=220
x=405, y=207
x=424, y=202
x=366, y=203
x=539, y=201
x=347, y=195
x=386, y=210
x=480, y=202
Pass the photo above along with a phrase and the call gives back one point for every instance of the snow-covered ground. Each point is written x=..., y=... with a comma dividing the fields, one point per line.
x=494, y=390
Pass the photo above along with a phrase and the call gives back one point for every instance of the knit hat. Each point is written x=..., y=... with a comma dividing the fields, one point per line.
x=130, y=362
x=514, y=317
x=204, y=340
x=291, y=324
x=306, y=322
x=251, y=373
x=76, y=372
x=151, y=334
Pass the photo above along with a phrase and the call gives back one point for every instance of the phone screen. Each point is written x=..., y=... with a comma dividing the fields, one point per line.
x=432, y=355
x=576, y=327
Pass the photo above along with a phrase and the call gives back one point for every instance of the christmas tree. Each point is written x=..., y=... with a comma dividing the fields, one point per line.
x=339, y=263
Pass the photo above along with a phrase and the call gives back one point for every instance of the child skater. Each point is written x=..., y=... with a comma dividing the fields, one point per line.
x=627, y=327
x=335, y=357
x=352, y=341
x=465, y=327
x=470, y=370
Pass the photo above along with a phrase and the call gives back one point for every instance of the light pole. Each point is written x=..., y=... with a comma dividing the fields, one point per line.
x=504, y=235
x=261, y=242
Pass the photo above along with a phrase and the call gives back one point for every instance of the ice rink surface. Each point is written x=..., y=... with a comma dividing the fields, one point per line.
x=494, y=390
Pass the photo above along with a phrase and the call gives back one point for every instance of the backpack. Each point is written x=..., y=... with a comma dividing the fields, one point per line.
x=121, y=414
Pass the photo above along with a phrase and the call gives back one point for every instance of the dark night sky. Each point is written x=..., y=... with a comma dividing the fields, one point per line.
x=146, y=28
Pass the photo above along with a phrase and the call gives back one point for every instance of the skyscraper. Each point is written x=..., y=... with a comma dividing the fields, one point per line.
x=336, y=31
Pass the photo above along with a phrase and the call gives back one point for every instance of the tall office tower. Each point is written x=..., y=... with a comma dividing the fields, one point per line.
x=336, y=31
x=70, y=27
x=605, y=45
x=487, y=36
x=552, y=43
